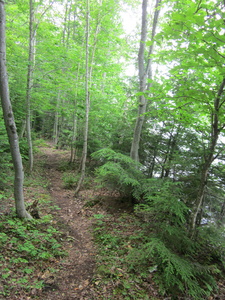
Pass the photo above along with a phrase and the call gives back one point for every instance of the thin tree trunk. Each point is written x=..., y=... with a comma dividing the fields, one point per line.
x=56, y=121
x=73, y=139
x=23, y=129
x=209, y=157
x=88, y=83
x=87, y=97
x=152, y=164
x=74, y=136
x=10, y=123
x=64, y=27
x=166, y=168
x=30, y=71
x=144, y=74
x=69, y=20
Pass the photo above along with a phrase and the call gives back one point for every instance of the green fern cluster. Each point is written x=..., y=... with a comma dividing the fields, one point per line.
x=175, y=274
x=118, y=172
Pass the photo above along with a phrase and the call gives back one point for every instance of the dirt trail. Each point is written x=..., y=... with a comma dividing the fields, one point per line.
x=73, y=281
x=75, y=272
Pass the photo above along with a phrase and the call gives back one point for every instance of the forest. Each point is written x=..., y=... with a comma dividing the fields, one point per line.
x=130, y=97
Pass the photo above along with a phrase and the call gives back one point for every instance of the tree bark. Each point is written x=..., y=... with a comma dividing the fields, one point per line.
x=87, y=97
x=145, y=72
x=56, y=121
x=30, y=71
x=10, y=123
x=73, y=139
x=88, y=83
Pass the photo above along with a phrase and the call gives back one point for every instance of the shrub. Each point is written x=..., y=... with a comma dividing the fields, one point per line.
x=176, y=274
x=180, y=269
x=118, y=172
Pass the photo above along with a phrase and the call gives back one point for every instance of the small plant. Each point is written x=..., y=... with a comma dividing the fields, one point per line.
x=6, y=175
x=24, y=149
x=69, y=180
x=41, y=143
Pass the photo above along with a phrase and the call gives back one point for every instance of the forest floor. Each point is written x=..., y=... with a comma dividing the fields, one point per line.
x=76, y=276
x=86, y=272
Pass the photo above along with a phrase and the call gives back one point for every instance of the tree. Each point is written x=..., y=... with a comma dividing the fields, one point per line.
x=145, y=74
x=194, y=47
x=209, y=156
x=10, y=123
x=30, y=71
x=87, y=100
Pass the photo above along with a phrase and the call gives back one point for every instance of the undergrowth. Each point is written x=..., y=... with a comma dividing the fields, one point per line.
x=133, y=263
x=28, y=248
x=162, y=250
x=115, y=240
x=70, y=180
x=118, y=172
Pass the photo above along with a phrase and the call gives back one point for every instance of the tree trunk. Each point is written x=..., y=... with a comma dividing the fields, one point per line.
x=30, y=71
x=87, y=97
x=10, y=123
x=209, y=157
x=56, y=121
x=88, y=83
x=166, y=167
x=74, y=138
x=75, y=119
x=145, y=72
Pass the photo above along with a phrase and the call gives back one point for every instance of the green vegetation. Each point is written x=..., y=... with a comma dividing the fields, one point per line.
x=28, y=249
x=162, y=246
x=142, y=106
x=70, y=180
x=132, y=255
x=115, y=241
x=119, y=172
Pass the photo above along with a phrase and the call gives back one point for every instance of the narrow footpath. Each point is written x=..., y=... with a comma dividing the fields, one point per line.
x=73, y=280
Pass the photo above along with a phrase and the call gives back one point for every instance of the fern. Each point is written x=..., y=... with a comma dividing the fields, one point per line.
x=175, y=274
x=169, y=246
x=165, y=246
x=163, y=198
x=118, y=172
